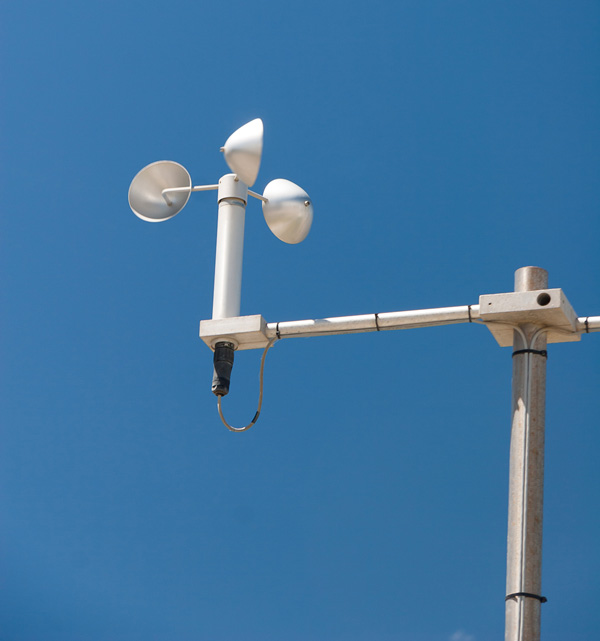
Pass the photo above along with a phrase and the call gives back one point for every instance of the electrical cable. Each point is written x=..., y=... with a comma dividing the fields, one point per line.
x=260, y=393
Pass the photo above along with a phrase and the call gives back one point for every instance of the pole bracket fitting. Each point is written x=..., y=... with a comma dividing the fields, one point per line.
x=548, y=308
x=245, y=332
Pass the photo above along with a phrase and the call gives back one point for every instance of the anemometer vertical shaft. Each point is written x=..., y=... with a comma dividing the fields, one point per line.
x=233, y=196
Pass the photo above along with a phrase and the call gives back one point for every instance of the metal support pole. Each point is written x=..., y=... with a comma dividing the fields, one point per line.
x=526, y=476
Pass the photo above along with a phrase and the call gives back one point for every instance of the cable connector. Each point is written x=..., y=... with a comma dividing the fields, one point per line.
x=223, y=363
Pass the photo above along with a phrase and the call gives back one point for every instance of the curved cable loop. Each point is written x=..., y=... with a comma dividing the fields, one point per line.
x=561, y=330
x=515, y=327
x=539, y=332
x=260, y=393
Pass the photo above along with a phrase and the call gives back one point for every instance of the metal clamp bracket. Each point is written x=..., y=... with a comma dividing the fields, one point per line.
x=245, y=332
x=543, y=308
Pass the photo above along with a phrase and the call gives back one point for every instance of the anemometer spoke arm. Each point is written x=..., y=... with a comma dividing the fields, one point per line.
x=258, y=196
x=180, y=190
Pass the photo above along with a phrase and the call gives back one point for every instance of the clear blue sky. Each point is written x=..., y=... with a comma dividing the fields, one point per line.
x=445, y=145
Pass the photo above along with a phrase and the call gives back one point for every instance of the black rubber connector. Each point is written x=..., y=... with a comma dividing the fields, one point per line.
x=541, y=599
x=223, y=363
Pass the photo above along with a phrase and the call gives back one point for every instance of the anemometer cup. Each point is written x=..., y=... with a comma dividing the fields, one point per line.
x=146, y=197
x=243, y=151
x=288, y=210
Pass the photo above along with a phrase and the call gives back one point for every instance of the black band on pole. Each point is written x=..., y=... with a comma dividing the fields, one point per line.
x=587, y=325
x=377, y=322
x=277, y=332
x=541, y=599
x=539, y=352
x=470, y=319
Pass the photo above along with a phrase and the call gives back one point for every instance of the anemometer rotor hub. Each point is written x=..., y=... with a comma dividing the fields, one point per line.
x=230, y=186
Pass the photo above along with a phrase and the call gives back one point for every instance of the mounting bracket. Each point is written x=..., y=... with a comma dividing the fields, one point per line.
x=543, y=308
x=245, y=332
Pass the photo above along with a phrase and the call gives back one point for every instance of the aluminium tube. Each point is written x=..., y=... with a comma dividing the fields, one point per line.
x=588, y=324
x=374, y=322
